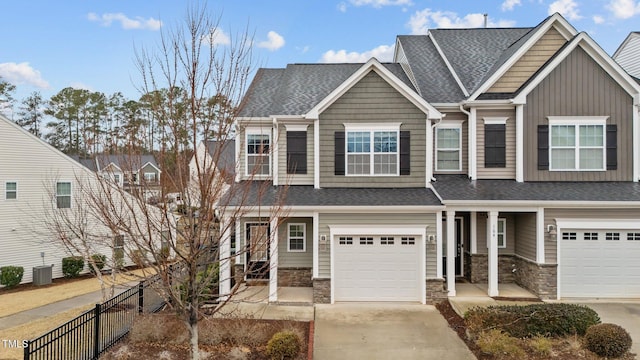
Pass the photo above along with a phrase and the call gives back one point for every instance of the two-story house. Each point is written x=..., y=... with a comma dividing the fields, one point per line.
x=499, y=155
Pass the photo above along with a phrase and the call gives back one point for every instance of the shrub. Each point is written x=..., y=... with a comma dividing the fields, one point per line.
x=11, y=276
x=72, y=265
x=541, y=345
x=501, y=345
x=532, y=320
x=607, y=340
x=283, y=345
x=99, y=260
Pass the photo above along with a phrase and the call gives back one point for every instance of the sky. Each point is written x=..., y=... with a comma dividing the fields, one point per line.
x=91, y=44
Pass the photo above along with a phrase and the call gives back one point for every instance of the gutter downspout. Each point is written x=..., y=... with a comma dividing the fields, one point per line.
x=431, y=147
x=276, y=151
x=472, y=143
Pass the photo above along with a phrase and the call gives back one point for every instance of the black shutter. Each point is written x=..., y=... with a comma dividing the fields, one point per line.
x=339, y=153
x=612, y=147
x=543, y=147
x=495, y=146
x=405, y=153
x=296, y=152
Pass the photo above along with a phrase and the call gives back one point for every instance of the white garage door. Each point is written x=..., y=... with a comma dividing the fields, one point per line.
x=600, y=263
x=377, y=268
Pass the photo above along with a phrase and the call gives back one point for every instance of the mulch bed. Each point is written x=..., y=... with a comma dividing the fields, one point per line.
x=456, y=322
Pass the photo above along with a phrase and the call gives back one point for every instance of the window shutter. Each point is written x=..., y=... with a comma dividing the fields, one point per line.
x=495, y=146
x=543, y=147
x=405, y=153
x=612, y=147
x=296, y=152
x=339, y=153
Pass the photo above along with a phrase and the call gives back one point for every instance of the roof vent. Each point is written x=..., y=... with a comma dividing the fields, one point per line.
x=486, y=16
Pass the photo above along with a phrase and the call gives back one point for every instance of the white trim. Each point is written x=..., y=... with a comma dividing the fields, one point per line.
x=576, y=122
x=636, y=139
x=622, y=224
x=540, y=236
x=150, y=163
x=316, y=244
x=257, y=131
x=15, y=191
x=495, y=120
x=520, y=143
x=316, y=154
x=304, y=238
x=473, y=233
x=225, y=260
x=451, y=253
x=237, y=155
x=144, y=176
x=473, y=144
x=55, y=199
x=392, y=126
x=448, y=64
x=349, y=128
x=439, y=245
x=374, y=65
x=444, y=126
x=238, y=230
x=296, y=127
x=273, y=260
x=429, y=152
x=504, y=233
x=275, y=148
x=492, y=237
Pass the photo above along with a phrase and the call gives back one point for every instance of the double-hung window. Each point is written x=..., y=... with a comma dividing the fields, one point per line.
x=449, y=147
x=373, y=150
x=63, y=195
x=296, y=239
x=258, y=156
x=11, y=190
x=502, y=233
x=577, y=144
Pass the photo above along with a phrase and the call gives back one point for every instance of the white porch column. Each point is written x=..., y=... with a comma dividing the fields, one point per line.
x=520, y=143
x=273, y=261
x=316, y=245
x=540, y=236
x=439, y=244
x=473, y=233
x=224, y=287
x=451, y=252
x=492, y=238
x=473, y=141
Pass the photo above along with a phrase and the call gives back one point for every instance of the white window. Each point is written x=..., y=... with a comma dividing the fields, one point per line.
x=11, y=190
x=449, y=147
x=297, y=238
x=116, y=178
x=502, y=233
x=150, y=177
x=577, y=143
x=372, y=152
x=63, y=195
x=258, y=156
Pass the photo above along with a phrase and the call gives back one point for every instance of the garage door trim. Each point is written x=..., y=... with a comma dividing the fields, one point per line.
x=585, y=224
x=358, y=229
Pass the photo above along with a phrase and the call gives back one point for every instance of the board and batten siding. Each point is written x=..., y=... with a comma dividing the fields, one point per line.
x=551, y=214
x=294, y=179
x=372, y=100
x=628, y=56
x=454, y=117
x=509, y=171
x=530, y=62
x=428, y=220
x=295, y=259
x=578, y=87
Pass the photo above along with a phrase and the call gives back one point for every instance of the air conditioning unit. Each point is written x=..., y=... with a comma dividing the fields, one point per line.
x=42, y=274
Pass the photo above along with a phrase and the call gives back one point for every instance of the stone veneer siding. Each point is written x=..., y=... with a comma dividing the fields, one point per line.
x=295, y=277
x=322, y=291
x=436, y=291
x=540, y=279
x=478, y=266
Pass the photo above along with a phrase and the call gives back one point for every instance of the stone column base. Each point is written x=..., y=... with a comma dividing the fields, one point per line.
x=478, y=268
x=322, y=291
x=540, y=279
x=436, y=291
x=295, y=277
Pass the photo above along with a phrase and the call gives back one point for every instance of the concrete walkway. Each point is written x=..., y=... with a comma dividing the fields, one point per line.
x=385, y=331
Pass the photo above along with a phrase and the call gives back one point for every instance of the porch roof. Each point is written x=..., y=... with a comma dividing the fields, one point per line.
x=459, y=187
x=256, y=193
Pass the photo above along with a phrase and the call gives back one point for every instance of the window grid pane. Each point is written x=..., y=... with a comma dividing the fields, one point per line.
x=372, y=152
x=577, y=147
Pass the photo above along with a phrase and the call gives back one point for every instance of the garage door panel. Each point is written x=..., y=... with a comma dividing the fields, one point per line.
x=599, y=263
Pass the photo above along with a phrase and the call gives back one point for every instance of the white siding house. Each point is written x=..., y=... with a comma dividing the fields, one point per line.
x=628, y=54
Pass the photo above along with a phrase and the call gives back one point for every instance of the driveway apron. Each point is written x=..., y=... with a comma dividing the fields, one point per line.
x=625, y=314
x=385, y=331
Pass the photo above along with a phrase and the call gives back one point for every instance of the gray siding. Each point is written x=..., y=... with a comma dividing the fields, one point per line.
x=629, y=56
x=465, y=144
x=295, y=259
x=325, y=220
x=481, y=233
x=550, y=216
x=578, y=87
x=294, y=179
x=372, y=100
x=526, y=235
x=509, y=171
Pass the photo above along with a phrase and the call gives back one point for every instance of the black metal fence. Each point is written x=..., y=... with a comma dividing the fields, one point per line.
x=96, y=330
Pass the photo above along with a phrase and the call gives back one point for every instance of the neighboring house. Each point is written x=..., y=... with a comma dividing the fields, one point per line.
x=37, y=180
x=132, y=172
x=506, y=155
x=628, y=54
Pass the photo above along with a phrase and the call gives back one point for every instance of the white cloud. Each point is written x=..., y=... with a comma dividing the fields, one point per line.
x=422, y=20
x=624, y=9
x=218, y=37
x=342, y=7
x=274, y=41
x=382, y=53
x=127, y=23
x=508, y=5
x=22, y=73
x=567, y=8
x=598, y=19
x=381, y=3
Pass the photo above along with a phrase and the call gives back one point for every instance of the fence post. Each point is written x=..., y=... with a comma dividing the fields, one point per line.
x=141, y=297
x=96, y=332
x=27, y=350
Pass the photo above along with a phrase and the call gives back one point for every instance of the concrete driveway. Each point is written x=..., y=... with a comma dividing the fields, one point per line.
x=625, y=314
x=385, y=331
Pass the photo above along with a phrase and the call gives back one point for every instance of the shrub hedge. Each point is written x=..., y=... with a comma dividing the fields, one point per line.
x=283, y=345
x=72, y=265
x=11, y=276
x=532, y=320
x=608, y=340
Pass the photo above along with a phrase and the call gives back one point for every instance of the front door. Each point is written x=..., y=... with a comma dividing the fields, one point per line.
x=258, y=251
x=459, y=249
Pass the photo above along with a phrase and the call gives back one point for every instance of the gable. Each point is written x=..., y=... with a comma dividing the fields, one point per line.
x=628, y=55
x=530, y=62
